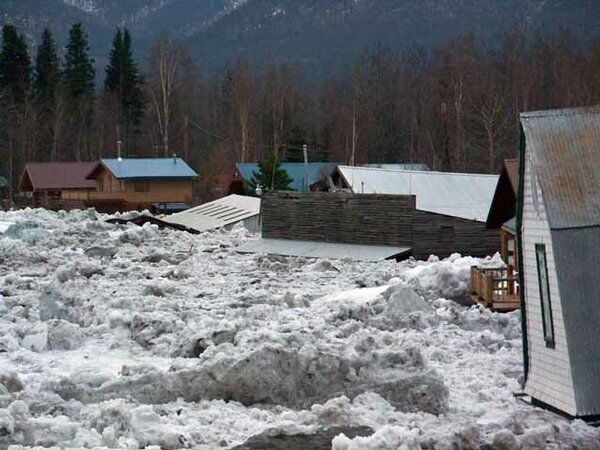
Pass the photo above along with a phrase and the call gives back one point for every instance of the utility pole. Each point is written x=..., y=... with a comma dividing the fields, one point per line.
x=186, y=137
x=305, y=152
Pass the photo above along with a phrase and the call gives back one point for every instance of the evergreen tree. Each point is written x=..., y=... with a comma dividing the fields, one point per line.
x=79, y=70
x=46, y=68
x=78, y=81
x=114, y=70
x=15, y=65
x=124, y=81
x=270, y=175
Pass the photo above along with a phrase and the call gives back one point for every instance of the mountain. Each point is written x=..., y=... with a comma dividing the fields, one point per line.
x=322, y=34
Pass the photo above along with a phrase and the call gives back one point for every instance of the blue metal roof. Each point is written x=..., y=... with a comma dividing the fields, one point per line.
x=315, y=172
x=149, y=168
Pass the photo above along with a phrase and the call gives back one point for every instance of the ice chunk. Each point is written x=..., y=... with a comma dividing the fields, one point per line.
x=37, y=339
x=63, y=335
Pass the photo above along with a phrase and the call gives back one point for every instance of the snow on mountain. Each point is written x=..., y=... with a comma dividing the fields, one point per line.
x=114, y=336
x=324, y=33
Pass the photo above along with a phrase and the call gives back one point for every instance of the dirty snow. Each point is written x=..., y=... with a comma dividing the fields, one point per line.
x=115, y=336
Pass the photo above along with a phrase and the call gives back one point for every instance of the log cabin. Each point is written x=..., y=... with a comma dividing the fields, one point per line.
x=158, y=184
x=57, y=185
x=439, y=214
x=558, y=226
x=450, y=211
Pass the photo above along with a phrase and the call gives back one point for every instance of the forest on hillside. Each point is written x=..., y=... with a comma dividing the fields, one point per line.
x=454, y=108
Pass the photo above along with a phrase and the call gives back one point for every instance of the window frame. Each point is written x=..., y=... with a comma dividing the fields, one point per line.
x=540, y=250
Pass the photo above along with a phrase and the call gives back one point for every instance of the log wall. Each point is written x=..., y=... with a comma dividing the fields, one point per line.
x=373, y=219
x=436, y=234
x=345, y=218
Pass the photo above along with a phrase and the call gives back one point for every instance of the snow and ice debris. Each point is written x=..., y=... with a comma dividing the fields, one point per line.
x=119, y=336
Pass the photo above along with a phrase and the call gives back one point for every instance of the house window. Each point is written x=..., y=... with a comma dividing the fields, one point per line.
x=446, y=235
x=141, y=186
x=544, y=283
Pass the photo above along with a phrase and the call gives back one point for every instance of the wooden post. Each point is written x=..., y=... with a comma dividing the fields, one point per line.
x=489, y=289
x=511, y=283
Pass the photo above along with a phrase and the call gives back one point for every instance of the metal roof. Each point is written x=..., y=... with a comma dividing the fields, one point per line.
x=563, y=147
x=57, y=175
x=510, y=225
x=400, y=166
x=219, y=213
x=149, y=168
x=329, y=250
x=3, y=182
x=464, y=195
x=315, y=172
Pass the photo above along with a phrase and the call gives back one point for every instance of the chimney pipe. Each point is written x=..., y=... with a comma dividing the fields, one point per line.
x=174, y=158
x=119, y=151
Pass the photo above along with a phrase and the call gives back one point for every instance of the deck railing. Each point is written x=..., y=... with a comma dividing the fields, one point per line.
x=495, y=288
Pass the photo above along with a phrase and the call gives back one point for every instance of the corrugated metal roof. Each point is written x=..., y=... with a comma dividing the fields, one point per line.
x=315, y=171
x=57, y=175
x=400, y=166
x=219, y=213
x=149, y=168
x=329, y=250
x=564, y=149
x=464, y=195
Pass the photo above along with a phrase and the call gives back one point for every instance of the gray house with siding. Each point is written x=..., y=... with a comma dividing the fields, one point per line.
x=559, y=234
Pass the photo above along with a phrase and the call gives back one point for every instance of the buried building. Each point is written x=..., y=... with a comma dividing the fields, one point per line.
x=559, y=238
x=380, y=226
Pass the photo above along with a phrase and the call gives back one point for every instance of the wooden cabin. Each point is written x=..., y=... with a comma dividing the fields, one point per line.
x=498, y=288
x=57, y=185
x=450, y=211
x=142, y=183
x=394, y=224
x=559, y=242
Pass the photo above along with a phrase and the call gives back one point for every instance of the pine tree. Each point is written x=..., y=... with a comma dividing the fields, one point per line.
x=124, y=81
x=47, y=72
x=270, y=176
x=15, y=65
x=79, y=70
x=114, y=69
x=78, y=81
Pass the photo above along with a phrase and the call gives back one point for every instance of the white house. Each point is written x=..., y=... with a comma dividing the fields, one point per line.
x=559, y=232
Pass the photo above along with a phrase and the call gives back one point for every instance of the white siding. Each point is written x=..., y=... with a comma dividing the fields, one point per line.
x=549, y=377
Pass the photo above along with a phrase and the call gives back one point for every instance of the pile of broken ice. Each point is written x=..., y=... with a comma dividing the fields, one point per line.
x=117, y=336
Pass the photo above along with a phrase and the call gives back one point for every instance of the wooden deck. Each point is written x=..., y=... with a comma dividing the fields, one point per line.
x=496, y=288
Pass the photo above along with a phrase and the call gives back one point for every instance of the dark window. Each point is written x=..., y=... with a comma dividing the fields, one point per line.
x=544, y=283
x=446, y=235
